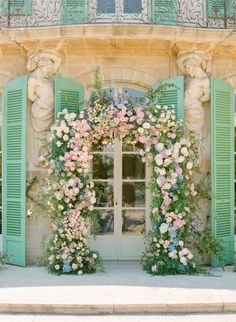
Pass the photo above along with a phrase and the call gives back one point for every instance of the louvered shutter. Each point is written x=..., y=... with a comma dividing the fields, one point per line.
x=222, y=166
x=68, y=95
x=173, y=95
x=74, y=11
x=216, y=8
x=164, y=12
x=17, y=7
x=14, y=169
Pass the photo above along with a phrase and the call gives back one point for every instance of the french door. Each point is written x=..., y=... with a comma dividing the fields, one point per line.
x=120, y=179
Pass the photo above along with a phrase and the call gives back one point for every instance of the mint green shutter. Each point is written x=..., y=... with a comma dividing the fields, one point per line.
x=17, y=7
x=74, y=11
x=14, y=169
x=173, y=95
x=164, y=12
x=216, y=8
x=222, y=166
x=68, y=95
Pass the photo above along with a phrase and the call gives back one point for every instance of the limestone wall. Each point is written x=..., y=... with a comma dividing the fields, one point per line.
x=124, y=61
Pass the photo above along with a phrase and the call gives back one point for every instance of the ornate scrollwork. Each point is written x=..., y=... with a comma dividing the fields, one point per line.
x=189, y=13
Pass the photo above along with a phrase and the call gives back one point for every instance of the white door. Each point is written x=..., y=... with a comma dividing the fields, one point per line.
x=120, y=179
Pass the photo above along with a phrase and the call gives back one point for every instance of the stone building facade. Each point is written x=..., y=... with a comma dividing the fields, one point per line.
x=135, y=46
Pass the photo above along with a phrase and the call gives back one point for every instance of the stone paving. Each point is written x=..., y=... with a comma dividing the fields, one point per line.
x=123, y=288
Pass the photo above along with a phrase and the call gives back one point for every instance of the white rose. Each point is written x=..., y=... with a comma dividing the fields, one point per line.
x=140, y=130
x=159, y=147
x=65, y=137
x=180, y=159
x=163, y=228
x=158, y=160
x=57, y=267
x=184, y=151
x=189, y=165
x=162, y=172
x=185, y=251
x=58, y=144
x=183, y=260
x=146, y=125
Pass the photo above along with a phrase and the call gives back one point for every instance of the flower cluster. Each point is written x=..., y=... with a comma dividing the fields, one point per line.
x=165, y=144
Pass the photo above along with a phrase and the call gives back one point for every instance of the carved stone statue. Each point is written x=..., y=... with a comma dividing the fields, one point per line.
x=195, y=66
x=43, y=65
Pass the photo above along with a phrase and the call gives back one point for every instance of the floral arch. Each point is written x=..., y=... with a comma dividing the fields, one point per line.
x=172, y=154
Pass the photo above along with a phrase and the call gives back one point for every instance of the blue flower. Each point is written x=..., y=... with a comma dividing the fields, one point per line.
x=66, y=267
x=176, y=241
x=171, y=247
x=172, y=232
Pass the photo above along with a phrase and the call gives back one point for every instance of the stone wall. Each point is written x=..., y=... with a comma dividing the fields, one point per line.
x=125, y=59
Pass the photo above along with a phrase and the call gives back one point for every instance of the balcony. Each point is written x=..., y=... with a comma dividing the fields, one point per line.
x=185, y=13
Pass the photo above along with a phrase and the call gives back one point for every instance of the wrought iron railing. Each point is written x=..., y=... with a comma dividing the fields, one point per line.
x=186, y=13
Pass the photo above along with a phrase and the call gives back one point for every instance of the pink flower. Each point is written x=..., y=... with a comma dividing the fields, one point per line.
x=139, y=113
x=179, y=170
x=166, y=201
x=179, y=223
x=142, y=139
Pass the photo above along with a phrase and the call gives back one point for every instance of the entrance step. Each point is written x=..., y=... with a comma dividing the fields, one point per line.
x=123, y=288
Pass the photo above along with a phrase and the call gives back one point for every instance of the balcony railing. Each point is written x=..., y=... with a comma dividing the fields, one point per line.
x=186, y=13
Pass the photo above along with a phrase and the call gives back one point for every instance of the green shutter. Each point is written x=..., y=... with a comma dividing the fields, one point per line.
x=74, y=11
x=164, y=12
x=173, y=95
x=68, y=95
x=14, y=169
x=222, y=166
x=216, y=8
x=17, y=7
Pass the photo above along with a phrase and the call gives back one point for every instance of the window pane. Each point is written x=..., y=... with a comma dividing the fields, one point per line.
x=106, y=6
x=133, y=167
x=104, y=194
x=132, y=6
x=133, y=194
x=133, y=222
x=106, y=222
x=103, y=166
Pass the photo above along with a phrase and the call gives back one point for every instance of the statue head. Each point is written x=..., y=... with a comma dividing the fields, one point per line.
x=193, y=63
x=46, y=62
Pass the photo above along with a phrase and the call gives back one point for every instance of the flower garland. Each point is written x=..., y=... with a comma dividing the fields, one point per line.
x=169, y=149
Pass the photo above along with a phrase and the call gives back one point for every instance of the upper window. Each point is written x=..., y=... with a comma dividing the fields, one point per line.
x=123, y=6
x=16, y=7
x=221, y=8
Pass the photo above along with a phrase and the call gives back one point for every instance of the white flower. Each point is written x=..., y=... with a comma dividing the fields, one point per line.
x=74, y=266
x=162, y=172
x=57, y=267
x=158, y=160
x=190, y=255
x=163, y=228
x=80, y=272
x=95, y=255
x=140, y=130
x=183, y=260
x=159, y=147
x=146, y=125
x=65, y=137
x=154, y=268
x=185, y=251
x=181, y=159
x=184, y=151
x=58, y=143
x=189, y=165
